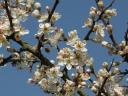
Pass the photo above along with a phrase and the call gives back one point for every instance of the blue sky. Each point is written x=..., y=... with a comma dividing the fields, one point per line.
x=74, y=13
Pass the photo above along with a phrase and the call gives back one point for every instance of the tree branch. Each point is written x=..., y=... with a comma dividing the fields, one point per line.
x=81, y=93
x=101, y=89
x=6, y=60
x=52, y=11
x=22, y=43
x=9, y=15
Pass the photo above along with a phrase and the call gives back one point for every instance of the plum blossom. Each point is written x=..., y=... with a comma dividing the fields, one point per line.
x=65, y=57
x=69, y=87
x=54, y=74
x=103, y=73
x=93, y=11
x=55, y=36
x=80, y=46
x=111, y=12
x=88, y=23
x=45, y=28
x=52, y=80
x=50, y=86
x=44, y=16
x=76, y=55
x=99, y=29
x=37, y=76
x=114, y=87
x=3, y=40
x=73, y=37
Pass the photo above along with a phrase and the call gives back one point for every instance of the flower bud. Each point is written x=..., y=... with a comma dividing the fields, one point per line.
x=120, y=52
x=116, y=70
x=17, y=37
x=93, y=11
x=15, y=56
x=109, y=27
x=126, y=49
x=37, y=5
x=105, y=64
x=111, y=12
x=94, y=89
x=36, y=13
x=100, y=4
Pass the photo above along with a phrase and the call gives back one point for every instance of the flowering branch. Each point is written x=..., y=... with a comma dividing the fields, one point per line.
x=104, y=82
x=100, y=17
x=24, y=44
x=70, y=72
x=52, y=11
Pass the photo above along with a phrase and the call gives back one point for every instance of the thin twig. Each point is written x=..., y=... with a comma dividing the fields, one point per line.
x=104, y=82
x=6, y=60
x=52, y=11
x=9, y=15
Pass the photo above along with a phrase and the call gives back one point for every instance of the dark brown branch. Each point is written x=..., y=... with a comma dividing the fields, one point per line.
x=39, y=45
x=90, y=31
x=5, y=61
x=30, y=48
x=100, y=18
x=101, y=89
x=110, y=35
x=9, y=15
x=126, y=35
x=24, y=44
x=52, y=11
x=81, y=93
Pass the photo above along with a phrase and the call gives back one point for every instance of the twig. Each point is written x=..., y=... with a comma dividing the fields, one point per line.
x=104, y=82
x=6, y=60
x=81, y=93
x=9, y=15
x=52, y=11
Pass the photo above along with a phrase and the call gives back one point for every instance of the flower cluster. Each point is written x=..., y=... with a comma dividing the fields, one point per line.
x=73, y=68
x=50, y=33
x=23, y=59
x=110, y=76
x=52, y=79
x=76, y=55
x=95, y=25
x=48, y=79
x=18, y=14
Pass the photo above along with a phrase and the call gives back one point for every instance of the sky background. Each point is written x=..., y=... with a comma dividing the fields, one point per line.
x=74, y=12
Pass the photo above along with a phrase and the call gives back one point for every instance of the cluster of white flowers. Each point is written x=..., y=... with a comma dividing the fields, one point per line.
x=93, y=21
x=111, y=79
x=43, y=16
x=51, y=33
x=69, y=87
x=114, y=87
x=4, y=31
x=48, y=79
x=75, y=56
x=22, y=60
x=18, y=14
